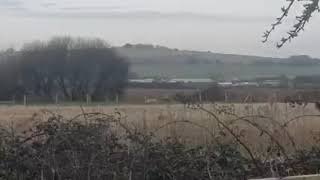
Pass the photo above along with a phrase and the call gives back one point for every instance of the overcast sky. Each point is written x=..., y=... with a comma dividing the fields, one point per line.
x=233, y=26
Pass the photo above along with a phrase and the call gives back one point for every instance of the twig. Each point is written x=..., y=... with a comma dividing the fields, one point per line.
x=255, y=162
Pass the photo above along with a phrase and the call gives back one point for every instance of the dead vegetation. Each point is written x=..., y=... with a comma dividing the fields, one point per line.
x=217, y=141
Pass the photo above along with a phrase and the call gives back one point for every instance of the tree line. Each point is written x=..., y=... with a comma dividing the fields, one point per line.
x=69, y=67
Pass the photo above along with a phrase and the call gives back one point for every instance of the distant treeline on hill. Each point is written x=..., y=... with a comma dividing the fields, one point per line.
x=150, y=54
x=72, y=68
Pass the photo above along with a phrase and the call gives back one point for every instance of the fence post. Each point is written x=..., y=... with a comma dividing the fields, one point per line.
x=200, y=96
x=57, y=99
x=106, y=100
x=225, y=97
x=117, y=98
x=25, y=100
x=13, y=99
x=88, y=99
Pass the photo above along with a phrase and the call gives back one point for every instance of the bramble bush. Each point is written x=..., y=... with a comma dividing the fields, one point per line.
x=100, y=146
x=89, y=147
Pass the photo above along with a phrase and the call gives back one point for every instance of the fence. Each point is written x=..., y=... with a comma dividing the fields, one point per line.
x=29, y=100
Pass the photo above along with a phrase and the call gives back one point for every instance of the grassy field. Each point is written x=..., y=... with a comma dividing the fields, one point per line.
x=227, y=71
x=190, y=125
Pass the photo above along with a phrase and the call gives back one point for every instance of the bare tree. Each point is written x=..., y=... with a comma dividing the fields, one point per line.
x=40, y=65
x=9, y=74
x=92, y=67
x=72, y=67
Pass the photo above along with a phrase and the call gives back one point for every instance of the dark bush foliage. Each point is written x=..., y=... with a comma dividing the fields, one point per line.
x=89, y=148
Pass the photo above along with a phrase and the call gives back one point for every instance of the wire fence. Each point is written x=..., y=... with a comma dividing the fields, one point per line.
x=27, y=100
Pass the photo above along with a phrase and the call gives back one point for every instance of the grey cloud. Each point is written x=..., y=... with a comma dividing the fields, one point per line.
x=49, y=4
x=114, y=11
x=12, y=7
x=106, y=8
x=111, y=12
x=10, y=3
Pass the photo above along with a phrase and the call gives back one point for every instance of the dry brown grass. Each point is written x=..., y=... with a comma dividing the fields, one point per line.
x=149, y=118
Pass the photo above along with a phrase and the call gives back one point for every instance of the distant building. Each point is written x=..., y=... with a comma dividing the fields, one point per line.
x=246, y=84
x=141, y=80
x=171, y=83
x=271, y=83
x=150, y=80
x=225, y=84
x=275, y=81
x=191, y=81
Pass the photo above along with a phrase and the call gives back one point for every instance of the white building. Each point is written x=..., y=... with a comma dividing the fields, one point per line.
x=191, y=81
x=141, y=80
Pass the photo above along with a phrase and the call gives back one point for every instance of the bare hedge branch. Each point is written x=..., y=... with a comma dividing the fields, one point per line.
x=310, y=7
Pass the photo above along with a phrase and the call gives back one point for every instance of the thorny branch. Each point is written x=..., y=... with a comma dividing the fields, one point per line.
x=309, y=8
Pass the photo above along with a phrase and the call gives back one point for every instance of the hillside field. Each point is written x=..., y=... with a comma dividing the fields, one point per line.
x=227, y=71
